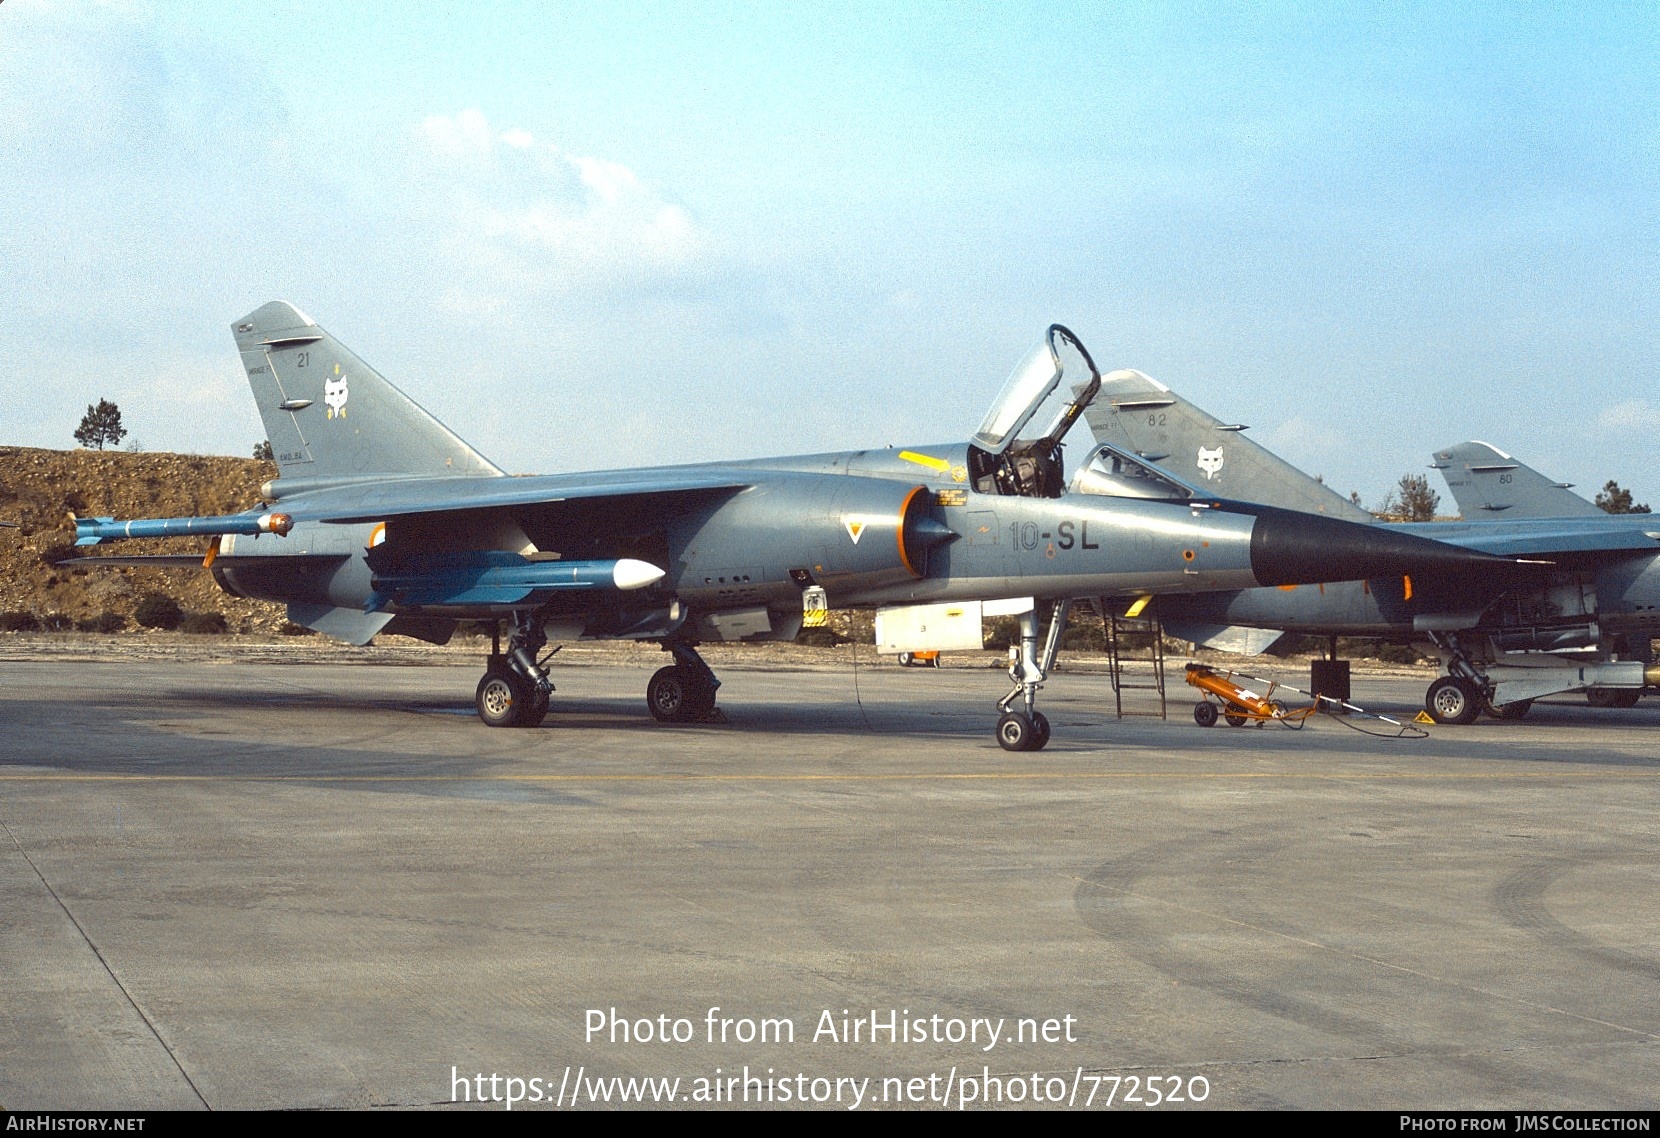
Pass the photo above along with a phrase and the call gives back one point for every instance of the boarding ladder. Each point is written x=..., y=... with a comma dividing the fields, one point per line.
x=1135, y=656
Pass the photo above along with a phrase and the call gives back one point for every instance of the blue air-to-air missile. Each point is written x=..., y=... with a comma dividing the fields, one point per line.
x=1583, y=620
x=382, y=520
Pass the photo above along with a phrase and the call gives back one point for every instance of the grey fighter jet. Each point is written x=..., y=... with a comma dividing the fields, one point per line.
x=1583, y=621
x=382, y=520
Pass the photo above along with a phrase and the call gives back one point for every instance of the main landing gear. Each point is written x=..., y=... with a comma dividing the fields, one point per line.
x=515, y=689
x=1027, y=729
x=683, y=692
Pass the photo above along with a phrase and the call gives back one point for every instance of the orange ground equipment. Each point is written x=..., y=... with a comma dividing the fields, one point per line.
x=1238, y=705
x=919, y=659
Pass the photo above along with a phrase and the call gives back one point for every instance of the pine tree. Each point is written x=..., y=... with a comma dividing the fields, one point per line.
x=101, y=426
x=1615, y=500
x=1412, y=500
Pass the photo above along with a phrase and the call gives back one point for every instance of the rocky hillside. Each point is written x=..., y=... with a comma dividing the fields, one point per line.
x=40, y=488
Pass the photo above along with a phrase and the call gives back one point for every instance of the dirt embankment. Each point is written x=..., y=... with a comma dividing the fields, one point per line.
x=40, y=488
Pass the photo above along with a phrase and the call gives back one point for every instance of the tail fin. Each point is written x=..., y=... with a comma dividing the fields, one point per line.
x=331, y=417
x=1142, y=415
x=1487, y=483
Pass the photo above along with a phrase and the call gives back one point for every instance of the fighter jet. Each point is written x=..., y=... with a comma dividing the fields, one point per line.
x=1583, y=621
x=383, y=520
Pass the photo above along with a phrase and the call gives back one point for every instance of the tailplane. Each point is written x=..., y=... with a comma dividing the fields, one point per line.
x=1487, y=483
x=330, y=417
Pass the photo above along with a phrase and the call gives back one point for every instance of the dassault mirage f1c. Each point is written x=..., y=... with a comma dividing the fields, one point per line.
x=382, y=520
x=1583, y=621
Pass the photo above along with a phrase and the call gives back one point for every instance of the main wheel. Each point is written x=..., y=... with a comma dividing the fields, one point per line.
x=1040, y=731
x=1452, y=699
x=1613, y=697
x=674, y=696
x=538, y=709
x=1204, y=714
x=1016, y=733
x=503, y=698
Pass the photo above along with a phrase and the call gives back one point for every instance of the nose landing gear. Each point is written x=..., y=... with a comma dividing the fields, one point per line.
x=1027, y=729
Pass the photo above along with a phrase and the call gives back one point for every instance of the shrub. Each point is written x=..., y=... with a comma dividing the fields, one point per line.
x=205, y=624
x=820, y=637
x=56, y=552
x=157, y=610
x=105, y=621
x=57, y=622
x=1397, y=654
x=18, y=622
x=289, y=628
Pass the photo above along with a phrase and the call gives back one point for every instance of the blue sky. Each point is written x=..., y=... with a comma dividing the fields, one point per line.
x=599, y=235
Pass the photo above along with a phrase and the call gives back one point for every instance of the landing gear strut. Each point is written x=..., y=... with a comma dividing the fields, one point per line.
x=1027, y=729
x=1459, y=696
x=515, y=689
x=683, y=692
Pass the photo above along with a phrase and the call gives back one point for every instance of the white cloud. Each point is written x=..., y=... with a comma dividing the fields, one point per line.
x=515, y=212
x=466, y=135
x=1632, y=415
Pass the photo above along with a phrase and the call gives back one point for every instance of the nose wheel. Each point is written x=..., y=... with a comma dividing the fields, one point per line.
x=1016, y=731
x=1027, y=729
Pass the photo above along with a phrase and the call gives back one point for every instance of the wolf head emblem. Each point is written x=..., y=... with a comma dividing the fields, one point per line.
x=334, y=393
x=1210, y=461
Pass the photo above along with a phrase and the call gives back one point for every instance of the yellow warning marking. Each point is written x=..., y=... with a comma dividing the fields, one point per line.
x=854, y=529
x=1140, y=604
x=959, y=474
x=1408, y=585
x=927, y=460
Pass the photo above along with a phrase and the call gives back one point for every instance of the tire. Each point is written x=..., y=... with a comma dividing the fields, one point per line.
x=906, y=659
x=1613, y=697
x=1015, y=732
x=1514, y=710
x=1234, y=719
x=674, y=697
x=503, y=698
x=1040, y=731
x=1452, y=700
x=1204, y=714
x=537, y=710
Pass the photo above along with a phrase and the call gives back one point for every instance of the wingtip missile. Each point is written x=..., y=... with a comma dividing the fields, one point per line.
x=93, y=531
